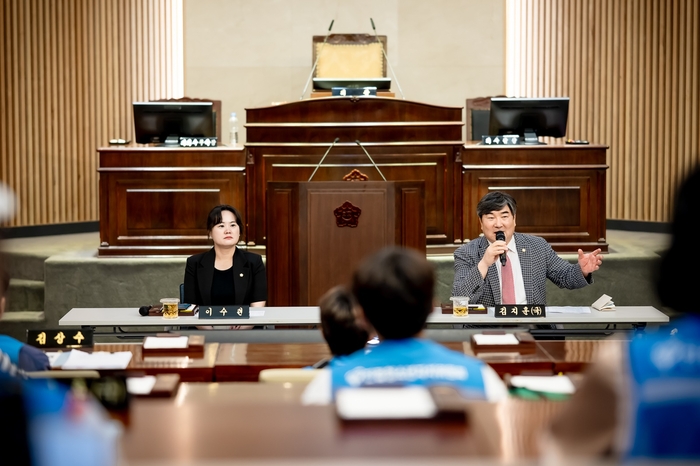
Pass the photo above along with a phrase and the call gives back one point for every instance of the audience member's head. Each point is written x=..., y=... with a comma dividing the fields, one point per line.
x=342, y=331
x=679, y=273
x=394, y=288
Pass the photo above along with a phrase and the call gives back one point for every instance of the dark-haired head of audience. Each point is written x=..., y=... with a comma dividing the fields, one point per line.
x=394, y=289
x=341, y=329
x=679, y=272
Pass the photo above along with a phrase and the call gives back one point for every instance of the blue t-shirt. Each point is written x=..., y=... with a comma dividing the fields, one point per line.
x=25, y=357
x=411, y=361
x=665, y=379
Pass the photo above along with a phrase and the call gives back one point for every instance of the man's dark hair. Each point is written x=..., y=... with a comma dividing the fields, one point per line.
x=395, y=289
x=214, y=217
x=679, y=272
x=340, y=328
x=495, y=200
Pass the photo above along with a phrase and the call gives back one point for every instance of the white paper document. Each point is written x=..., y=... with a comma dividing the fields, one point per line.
x=385, y=403
x=568, y=310
x=549, y=384
x=140, y=385
x=98, y=360
x=507, y=339
x=165, y=342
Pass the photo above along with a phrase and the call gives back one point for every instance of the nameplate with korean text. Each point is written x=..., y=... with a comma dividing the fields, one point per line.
x=236, y=311
x=520, y=311
x=71, y=338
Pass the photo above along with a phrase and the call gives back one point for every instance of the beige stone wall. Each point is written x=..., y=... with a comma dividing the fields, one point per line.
x=250, y=53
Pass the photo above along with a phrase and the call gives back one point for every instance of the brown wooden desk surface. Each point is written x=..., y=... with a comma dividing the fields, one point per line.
x=246, y=421
x=189, y=369
x=241, y=362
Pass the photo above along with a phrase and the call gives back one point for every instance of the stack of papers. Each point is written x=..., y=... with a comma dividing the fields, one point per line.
x=80, y=360
x=554, y=384
x=604, y=303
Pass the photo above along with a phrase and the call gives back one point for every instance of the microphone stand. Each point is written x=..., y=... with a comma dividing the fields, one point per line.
x=323, y=158
x=387, y=61
x=318, y=55
x=370, y=158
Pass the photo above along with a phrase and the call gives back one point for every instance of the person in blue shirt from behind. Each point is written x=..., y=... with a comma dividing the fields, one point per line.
x=641, y=400
x=394, y=290
x=24, y=356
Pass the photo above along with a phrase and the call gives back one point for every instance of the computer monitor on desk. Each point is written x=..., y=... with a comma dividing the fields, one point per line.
x=166, y=122
x=531, y=118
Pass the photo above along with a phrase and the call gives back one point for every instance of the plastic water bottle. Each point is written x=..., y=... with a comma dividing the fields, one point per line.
x=233, y=130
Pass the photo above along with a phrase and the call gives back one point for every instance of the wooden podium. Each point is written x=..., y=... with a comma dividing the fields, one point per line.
x=319, y=231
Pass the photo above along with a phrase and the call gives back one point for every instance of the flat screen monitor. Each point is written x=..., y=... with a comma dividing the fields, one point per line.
x=530, y=118
x=166, y=122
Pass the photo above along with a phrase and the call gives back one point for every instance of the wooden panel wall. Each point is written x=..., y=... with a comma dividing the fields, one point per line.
x=69, y=71
x=631, y=69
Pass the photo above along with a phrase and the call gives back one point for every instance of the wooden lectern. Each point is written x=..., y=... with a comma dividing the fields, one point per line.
x=319, y=231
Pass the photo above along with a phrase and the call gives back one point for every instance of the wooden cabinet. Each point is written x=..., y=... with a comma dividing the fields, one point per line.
x=155, y=200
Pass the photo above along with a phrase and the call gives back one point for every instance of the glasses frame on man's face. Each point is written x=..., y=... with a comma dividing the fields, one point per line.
x=498, y=220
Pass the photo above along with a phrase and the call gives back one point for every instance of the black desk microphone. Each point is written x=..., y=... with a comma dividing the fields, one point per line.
x=500, y=236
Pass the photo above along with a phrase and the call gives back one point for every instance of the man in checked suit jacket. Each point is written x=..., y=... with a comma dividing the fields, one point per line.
x=477, y=265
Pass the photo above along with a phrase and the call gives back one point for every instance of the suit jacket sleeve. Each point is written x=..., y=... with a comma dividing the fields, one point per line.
x=259, y=291
x=564, y=274
x=468, y=280
x=192, y=294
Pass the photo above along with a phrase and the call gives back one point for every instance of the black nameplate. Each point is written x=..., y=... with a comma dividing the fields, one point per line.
x=502, y=140
x=62, y=338
x=520, y=311
x=236, y=311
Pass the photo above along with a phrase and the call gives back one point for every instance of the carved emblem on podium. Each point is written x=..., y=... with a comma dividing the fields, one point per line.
x=347, y=215
x=355, y=175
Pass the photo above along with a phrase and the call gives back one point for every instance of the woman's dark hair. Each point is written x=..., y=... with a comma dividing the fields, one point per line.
x=340, y=328
x=215, y=217
x=395, y=289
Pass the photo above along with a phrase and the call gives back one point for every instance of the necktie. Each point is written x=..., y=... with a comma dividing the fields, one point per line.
x=507, y=284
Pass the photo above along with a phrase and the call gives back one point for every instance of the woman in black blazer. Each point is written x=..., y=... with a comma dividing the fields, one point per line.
x=225, y=274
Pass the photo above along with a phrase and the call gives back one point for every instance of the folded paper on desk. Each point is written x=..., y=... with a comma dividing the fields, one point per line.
x=604, y=303
x=96, y=361
x=560, y=384
x=385, y=403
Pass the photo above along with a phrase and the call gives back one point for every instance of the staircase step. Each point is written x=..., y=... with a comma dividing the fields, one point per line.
x=22, y=316
x=25, y=295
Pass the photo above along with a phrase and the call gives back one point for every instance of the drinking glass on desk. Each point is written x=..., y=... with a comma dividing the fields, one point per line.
x=460, y=305
x=170, y=307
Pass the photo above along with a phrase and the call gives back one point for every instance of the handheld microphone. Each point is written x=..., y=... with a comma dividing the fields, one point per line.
x=370, y=158
x=143, y=310
x=318, y=55
x=324, y=156
x=387, y=60
x=500, y=236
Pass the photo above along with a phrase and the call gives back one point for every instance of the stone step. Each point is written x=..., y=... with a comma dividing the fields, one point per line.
x=25, y=296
